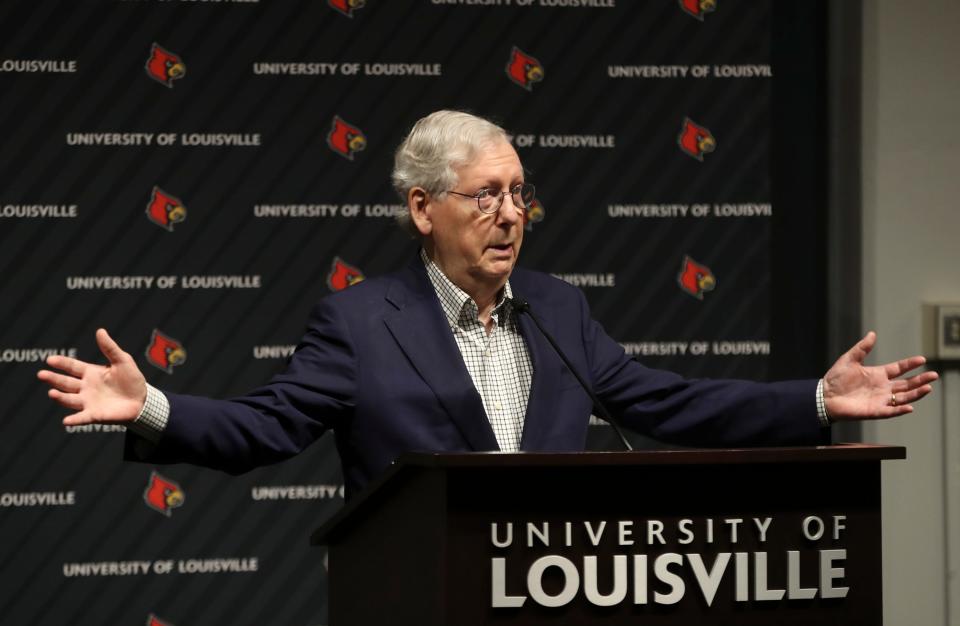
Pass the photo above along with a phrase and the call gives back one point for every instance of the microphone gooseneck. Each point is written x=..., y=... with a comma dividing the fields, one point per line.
x=522, y=306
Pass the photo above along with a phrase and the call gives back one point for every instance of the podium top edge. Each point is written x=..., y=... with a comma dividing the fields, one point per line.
x=850, y=452
x=686, y=456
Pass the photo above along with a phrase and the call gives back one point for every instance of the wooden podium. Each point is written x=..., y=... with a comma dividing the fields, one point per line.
x=772, y=536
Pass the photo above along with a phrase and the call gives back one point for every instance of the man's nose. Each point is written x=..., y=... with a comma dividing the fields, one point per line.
x=508, y=211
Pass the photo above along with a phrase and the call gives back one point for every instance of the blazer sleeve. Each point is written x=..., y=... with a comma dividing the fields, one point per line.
x=269, y=424
x=708, y=413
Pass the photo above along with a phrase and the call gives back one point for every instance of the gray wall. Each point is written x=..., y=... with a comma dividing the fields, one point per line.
x=911, y=186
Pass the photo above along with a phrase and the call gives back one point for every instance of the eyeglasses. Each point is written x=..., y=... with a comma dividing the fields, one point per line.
x=489, y=201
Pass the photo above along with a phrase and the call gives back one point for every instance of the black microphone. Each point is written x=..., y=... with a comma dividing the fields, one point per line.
x=522, y=306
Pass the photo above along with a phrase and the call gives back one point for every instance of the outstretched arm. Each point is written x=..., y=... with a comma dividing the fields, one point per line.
x=854, y=391
x=264, y=426
x=98, y=394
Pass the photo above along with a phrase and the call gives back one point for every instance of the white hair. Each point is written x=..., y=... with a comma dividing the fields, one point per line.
x=436, y=146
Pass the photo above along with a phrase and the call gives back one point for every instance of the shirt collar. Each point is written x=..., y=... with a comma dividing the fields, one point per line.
x=455, y=301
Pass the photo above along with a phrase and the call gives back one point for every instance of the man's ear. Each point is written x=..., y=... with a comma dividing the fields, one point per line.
x=418, y=202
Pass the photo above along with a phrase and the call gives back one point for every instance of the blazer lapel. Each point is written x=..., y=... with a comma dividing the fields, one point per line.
x=547, y=370
x=422, y=331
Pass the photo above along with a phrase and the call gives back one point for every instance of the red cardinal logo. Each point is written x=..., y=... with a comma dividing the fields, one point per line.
x=153, y=620
x=345, y=139
x=165, y=352
x=695, y=278
x=164, y=66
x=698, y=8
x=162, y=494
x=347, y=7
x=533, y=214
x=342, y=275
x=165, y=210
x=695, y=140
x=523, y=69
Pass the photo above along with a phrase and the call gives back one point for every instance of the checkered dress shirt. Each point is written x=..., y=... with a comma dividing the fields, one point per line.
x=498, y=363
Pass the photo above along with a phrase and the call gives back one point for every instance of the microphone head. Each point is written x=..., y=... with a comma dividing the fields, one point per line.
x=519, y=304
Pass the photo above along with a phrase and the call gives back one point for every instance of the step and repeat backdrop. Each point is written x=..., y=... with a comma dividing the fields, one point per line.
x=193, y=175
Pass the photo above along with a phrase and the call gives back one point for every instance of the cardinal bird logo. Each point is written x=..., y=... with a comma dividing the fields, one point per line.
x=345, y=139
x=165, y=352
x=523, y=69
x=698, y=8
x=162, y=494
x=165, y=210
x=346, y=7
x=164, y=66
x=695, y=279
x=153, y=620
x=343, y=275
x=695, y=140
x=533, y=214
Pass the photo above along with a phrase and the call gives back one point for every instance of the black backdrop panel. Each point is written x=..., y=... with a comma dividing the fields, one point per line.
x=181, y=173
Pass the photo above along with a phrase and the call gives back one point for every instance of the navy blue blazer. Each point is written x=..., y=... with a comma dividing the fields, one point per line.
x=379, y=365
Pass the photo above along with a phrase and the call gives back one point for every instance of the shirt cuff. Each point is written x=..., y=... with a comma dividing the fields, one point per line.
x=153, y=417
x=822, y=414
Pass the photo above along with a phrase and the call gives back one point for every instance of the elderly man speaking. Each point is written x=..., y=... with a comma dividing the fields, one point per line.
x=438, y=357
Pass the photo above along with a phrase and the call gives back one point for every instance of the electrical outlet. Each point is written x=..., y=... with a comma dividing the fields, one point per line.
x=941, y=331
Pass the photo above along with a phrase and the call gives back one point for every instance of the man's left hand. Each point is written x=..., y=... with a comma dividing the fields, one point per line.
x=854, y=391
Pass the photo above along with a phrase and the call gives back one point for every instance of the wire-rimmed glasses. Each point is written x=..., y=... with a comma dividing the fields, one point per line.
x=489, y=200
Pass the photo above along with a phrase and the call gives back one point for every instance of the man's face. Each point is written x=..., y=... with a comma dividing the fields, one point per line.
x=478, y=250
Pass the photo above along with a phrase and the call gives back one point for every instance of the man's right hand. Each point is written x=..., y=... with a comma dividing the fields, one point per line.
x=111, y=394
